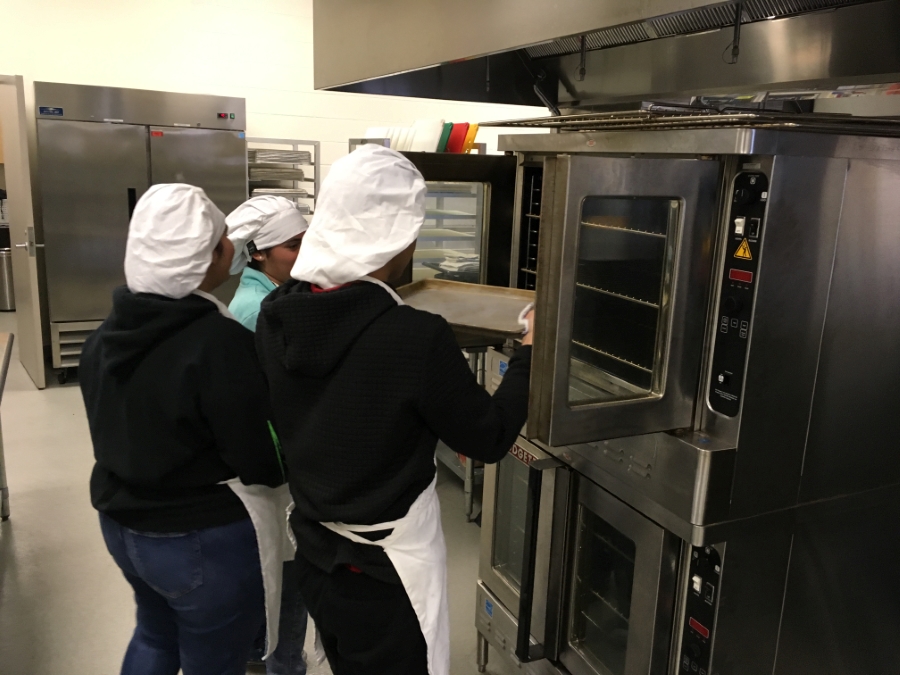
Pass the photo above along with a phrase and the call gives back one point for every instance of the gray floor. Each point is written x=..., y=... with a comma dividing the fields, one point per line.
x=64, y=607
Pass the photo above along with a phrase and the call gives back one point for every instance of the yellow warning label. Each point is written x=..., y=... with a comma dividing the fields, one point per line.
x=743, y=251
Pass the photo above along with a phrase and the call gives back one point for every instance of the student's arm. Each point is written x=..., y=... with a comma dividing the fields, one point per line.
x=462, y=414
x=235, y=400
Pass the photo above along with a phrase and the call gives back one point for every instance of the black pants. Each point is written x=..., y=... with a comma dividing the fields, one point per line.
x=368, y=627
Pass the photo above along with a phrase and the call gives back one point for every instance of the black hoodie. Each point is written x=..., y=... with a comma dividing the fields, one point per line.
x=361, y=390
x=176, y=403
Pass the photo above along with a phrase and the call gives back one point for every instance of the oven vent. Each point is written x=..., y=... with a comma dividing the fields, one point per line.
x=694, y=21
x=758, y=10
x=626, y=34
x=711, y=17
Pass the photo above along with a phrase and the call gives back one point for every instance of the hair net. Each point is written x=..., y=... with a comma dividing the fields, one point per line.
x=371, y=207
x=173, y=232
x=266, y=221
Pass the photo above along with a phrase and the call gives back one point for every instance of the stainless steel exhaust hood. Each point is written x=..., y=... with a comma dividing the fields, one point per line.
x=579, y=53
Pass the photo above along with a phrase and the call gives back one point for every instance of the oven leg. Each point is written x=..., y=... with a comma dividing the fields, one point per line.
x=469, y=488
x=482, y=653
x=476, y=364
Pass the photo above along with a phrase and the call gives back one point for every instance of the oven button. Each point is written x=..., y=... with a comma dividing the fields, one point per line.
x=723, y=378
x=755, y=224
x=739, y=224
x=696, y=580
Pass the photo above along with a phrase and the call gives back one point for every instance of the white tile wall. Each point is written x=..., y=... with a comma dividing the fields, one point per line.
x=260, y=50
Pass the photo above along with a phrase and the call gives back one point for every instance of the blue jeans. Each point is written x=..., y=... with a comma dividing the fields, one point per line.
x=199, y=597
x=288, y=657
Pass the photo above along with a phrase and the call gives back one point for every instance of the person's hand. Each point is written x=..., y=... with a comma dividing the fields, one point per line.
x=528, y=338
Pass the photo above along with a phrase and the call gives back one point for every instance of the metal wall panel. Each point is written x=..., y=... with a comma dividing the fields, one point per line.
x=841, y=612
x=215, y=161
x=90, y=176
x=855, y=422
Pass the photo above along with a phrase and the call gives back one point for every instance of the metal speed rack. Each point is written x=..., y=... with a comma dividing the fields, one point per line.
x=282, y=166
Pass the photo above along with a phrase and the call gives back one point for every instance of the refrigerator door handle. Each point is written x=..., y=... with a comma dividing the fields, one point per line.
x=524, y=651
x=132, y=202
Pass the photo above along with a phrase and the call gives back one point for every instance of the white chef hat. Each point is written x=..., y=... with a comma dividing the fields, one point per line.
x=371, y=207
x=173, y=232
x=266, y=221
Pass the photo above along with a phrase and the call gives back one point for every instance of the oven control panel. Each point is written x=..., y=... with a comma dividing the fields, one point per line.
x=700, y=611
x=745, y=229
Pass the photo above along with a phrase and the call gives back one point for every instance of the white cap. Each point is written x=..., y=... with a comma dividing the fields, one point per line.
x=371, y=207
x=173, y=232
x=267, y=221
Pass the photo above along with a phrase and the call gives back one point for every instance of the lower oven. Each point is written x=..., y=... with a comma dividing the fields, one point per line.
x=570, y=575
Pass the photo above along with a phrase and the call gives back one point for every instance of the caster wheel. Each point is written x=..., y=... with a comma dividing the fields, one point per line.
x=62, y=377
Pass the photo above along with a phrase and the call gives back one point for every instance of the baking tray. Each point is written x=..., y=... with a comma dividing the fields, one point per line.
x=491, y=312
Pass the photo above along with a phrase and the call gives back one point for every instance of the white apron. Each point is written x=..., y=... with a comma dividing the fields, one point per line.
x=416, y=549
x=268, y=509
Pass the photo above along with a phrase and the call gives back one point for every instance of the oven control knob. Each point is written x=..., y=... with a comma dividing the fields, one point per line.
x=732, y=305
x=743, y=196
x=694, y=651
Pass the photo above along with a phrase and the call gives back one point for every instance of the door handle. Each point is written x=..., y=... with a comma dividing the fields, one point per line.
x=30, y=246
x=132, y=202
x=524, y=651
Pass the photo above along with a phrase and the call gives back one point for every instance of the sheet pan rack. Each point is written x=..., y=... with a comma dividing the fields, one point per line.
x=288, y=168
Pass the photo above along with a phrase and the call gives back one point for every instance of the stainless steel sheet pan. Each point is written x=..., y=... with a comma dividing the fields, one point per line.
x=486, y=310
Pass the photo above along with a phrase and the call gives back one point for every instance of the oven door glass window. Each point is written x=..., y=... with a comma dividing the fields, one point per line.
x=450, y=242
x=625, y=249
x=509, y=520
x=601, y=594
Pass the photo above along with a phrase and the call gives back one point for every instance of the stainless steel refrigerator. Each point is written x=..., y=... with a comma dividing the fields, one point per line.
x=98, y=150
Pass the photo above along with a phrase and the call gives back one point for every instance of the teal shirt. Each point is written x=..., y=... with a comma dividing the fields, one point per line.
x=249, y=296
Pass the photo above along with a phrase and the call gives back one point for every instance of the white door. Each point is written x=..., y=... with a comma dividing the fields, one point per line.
x=14, y=122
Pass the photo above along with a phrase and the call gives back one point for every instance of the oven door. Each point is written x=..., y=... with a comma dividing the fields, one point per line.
x=620, y=589
x=625, y=256
x=517, y=541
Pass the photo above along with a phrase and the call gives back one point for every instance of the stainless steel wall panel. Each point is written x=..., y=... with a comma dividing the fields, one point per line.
x=792, y=289
x=754, y=570
x=855, y=419
x=215, y=161
x=87, y=171
x=841, y=610
x=137, y=106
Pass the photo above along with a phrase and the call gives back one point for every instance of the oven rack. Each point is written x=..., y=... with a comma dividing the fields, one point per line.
x=630, y=230
x=608, y=355
x=669, y=117
x=613, y=294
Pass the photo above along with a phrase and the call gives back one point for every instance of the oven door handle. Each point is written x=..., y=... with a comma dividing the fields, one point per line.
x=524, y=652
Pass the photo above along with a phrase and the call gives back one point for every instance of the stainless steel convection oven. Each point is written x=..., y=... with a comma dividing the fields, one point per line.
x=707, y=483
